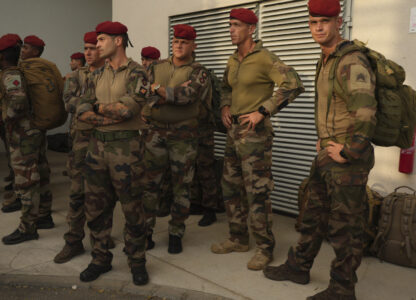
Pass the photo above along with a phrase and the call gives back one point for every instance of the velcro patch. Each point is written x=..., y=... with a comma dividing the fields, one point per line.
x=359, y=78
x=12, y=82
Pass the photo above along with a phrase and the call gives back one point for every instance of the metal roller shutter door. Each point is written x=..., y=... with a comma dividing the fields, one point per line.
x=283, y=28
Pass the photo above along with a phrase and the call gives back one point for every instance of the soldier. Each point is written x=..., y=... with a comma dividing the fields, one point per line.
x=179, y=84
x=11, y=203
x=339, y=173
x=23, y=139
x=33, y=48
x=75, y=87
x=246, y=107
x=149, y=54
x=77, y=61
x=113, y=161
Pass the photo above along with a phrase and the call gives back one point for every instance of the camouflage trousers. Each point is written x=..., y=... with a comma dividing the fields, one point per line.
x=6, y=148
x=204, y=186
x=247, y=183
x=335, y=209
x=113, y=168
x=76, y=167
x=173, y=147
x=27, y=146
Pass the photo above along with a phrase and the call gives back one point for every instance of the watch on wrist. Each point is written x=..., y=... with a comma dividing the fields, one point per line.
x=96, y=107
x=342, y=153
x=263, y=111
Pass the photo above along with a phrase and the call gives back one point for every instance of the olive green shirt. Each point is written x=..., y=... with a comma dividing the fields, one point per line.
x=249, y=84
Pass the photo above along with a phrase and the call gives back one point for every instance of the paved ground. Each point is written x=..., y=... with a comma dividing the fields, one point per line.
x=194, y=274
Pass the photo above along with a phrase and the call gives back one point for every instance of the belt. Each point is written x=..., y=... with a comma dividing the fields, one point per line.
x=192, y=123
x=114, y=135
x=234, y=119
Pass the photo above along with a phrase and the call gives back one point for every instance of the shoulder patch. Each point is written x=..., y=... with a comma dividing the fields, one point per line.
x=12, y=82
x=359, y=77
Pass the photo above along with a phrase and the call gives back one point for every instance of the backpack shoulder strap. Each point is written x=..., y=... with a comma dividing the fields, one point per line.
x=406, y=223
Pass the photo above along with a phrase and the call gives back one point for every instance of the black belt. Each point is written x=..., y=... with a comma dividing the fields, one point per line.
x=234, y=119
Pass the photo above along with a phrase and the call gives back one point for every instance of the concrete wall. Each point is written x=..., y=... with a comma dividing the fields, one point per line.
x=384, y=24
x=60, y=23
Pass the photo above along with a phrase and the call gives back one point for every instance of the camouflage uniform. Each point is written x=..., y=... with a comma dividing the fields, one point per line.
x=338, y=191
x=247, y=177
x=171, y=140
x=75, y=86
x=25, y=142
x=113, y=162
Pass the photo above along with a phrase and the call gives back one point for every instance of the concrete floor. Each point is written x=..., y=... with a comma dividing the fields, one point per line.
x=196, y=273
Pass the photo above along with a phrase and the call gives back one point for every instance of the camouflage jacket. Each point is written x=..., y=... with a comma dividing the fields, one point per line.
x=14, y=100
x=249, y=84
x=182, y=102
x=111, y=86
x=349, y=121
x=75, y=86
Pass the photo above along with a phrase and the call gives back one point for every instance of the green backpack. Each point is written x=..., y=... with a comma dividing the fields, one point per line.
x=396, y=109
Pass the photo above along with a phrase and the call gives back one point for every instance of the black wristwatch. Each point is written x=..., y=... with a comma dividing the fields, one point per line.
x=343, y=155
x=96, y=107
x=263, y=111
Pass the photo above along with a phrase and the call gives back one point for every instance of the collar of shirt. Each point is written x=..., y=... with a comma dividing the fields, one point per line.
x=121, y=68
x=257, y=48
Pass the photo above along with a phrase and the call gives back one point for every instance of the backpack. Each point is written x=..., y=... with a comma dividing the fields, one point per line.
x=45, y=89
x=216, y=102
x=396, y=109
x=372, y=215
x=396, y=238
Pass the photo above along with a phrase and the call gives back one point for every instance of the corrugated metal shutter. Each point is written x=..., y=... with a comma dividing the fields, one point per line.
x=283, y=28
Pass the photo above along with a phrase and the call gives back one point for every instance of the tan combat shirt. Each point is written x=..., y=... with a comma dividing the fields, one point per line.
x=249, y=84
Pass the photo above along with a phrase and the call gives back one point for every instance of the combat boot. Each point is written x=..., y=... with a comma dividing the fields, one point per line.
x=93, y=271
x=259, y=261
x=285, y=272
x=330, y=294
x=45, y=222
x=140, y=276
x=175, y=244
x=196, y=209
x=150, y=243
x=208, y=218
x=69, y=252
x=19, y=237
x=228, y=246
x=14, y=206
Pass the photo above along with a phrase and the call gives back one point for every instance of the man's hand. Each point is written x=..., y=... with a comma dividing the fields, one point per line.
x=333, y=151
x=252, y=119
x=226, y=116
x=186, y=83
x=318, y=145
x=144, y=118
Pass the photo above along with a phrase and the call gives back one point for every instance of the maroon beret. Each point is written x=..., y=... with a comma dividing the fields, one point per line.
x=8, y=41
x=77, y=55
x=109, y=27
x=150, y=52
x=90, y=37
x=184, y=31
x=326, y=8
x=244, y=15
x=34, y=41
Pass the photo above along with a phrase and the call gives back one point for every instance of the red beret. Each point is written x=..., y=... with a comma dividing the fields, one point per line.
x=109, y=27
x=244, y=15
x=8, y=41
x=184, y=31
x=77, y=55
x=90, y=38
x=326, y=8
x=34, y=41
x=150, y=52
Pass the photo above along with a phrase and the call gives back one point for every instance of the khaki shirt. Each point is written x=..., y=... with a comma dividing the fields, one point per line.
x=182, y=102
x=249, y=84
x=112, y=86
x=350, y=120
